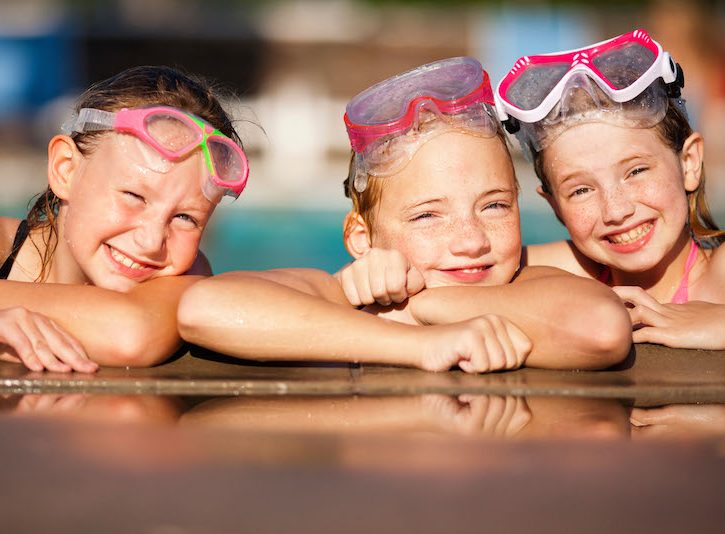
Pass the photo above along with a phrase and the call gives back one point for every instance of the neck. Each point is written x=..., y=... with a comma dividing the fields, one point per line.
x=63, y=268
x=663, y=279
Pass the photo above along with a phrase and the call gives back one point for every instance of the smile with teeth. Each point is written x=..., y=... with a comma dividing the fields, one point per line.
x=632, y=235
x=472, y=270
x=125, y=260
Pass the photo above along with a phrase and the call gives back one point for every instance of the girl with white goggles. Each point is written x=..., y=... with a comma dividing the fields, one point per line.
x=628, y=78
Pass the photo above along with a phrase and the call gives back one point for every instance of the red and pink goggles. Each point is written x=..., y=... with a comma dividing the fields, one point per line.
x=456, y=90
x=173, y=134
x=622, y=68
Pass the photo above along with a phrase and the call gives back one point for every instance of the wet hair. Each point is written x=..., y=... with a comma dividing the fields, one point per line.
x=365, y=203
x=673, y=130
x=135, y=87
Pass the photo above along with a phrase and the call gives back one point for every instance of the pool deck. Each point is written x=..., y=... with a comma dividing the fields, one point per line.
x=651, y=375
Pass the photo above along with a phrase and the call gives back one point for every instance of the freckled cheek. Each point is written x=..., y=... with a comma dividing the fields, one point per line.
x=183, y=249
x=504, y=237
x=580, y=219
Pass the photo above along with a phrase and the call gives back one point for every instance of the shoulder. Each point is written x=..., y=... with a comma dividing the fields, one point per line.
x=8, y=227
x=562, y=255
x=713, y=279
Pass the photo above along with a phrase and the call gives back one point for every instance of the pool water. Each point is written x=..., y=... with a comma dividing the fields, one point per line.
x=254, y=238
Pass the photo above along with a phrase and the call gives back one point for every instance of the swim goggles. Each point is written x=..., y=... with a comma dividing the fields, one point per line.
x=388, y=122
x=174, y=134
x=629, y=73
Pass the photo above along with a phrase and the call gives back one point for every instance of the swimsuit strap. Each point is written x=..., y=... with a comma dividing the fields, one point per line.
x=20, y=235
x=682, y=295
x=605, y=275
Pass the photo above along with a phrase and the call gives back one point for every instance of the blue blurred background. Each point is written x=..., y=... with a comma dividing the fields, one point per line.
x=293, y=65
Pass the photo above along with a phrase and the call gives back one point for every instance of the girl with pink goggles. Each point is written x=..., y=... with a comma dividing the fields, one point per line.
x=629, y=73
x=456, y=90
x=173, y=135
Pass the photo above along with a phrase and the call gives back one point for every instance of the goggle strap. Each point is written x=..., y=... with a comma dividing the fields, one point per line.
x=674, y=89
x=91, y=120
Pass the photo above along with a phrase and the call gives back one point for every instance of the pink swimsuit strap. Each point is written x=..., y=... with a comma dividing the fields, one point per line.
x=682, y=294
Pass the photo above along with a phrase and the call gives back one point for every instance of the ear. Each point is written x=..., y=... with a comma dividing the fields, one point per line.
x=63, y=162
x=357, y=235
x=692, y=159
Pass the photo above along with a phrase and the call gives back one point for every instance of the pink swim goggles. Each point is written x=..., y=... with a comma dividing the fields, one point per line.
x=173, y=135
x=457, y=91
x=619, y=75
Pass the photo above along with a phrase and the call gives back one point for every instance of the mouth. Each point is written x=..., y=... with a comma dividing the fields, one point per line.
x=128, y=266
x=469, y=274
x=631, y=239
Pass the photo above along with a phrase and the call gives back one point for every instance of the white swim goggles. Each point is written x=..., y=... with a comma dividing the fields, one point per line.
x=628, y=80
x=456, y=90
x=163, y=135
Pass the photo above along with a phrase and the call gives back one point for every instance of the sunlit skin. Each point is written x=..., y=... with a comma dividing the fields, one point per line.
x=453, y=212
x=121, y=223
x=621, y=192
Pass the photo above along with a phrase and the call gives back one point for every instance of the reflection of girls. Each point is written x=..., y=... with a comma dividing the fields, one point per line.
x=435, y=205
x=130, y=192
x=623, y=170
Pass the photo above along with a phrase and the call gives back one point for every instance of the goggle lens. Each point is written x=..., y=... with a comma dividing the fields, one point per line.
x=530, y=89
x=625, y=64
x=172, y=132
x=228, y=164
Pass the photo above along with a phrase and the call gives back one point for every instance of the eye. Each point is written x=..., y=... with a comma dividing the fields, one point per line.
x=579, y=191
x=638, y=170
x=134, y=196
x=498, y=205
x=421, y=216
x=187, y=219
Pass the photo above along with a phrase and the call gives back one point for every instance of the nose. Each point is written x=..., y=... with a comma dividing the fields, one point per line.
x=616, y=206
x=469, y=238
x=150, y=236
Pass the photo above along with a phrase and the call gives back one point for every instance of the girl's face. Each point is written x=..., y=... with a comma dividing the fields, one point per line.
x=123, y=224
x=621, y=192
x=453, y=212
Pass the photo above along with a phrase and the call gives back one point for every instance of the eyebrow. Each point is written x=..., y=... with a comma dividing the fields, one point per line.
x=420, y=203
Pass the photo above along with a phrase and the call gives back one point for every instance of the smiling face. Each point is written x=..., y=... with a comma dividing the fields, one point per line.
x=453, y=212
x=621, y=192
x=121, y=224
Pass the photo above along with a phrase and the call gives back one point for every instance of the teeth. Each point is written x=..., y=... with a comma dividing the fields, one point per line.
x=125, y=260
x=473, y=270
x=632, y=235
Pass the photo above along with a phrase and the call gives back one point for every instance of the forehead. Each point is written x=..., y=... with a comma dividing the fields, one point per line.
x=449, y=161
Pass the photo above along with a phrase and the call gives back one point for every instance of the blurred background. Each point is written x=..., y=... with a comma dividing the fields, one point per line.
x=293, y=66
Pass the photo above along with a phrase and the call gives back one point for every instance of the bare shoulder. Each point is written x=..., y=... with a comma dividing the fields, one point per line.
x=562, y=255
x=8, y=227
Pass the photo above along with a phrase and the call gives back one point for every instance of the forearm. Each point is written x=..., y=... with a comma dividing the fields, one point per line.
x=572, y=322
x=252, y=316
x=117, y=329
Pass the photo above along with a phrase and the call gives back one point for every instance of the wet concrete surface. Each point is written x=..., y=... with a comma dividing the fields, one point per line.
x=204, y=444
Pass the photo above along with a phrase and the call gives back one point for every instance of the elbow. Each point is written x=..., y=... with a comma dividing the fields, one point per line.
x=608, y=336
x=146, y=341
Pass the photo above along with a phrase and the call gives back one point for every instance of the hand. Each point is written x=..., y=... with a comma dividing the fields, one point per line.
x=39, y=343
x=488, y=415
x=380, y=276
x=684, y=420
x=479, y=345
x=693, y=325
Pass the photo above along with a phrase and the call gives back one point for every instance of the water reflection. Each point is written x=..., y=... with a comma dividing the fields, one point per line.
x=469, y=416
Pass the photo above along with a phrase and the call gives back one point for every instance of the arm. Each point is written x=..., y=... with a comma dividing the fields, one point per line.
x=303, y=315
x=135, y=329
x=573, y=322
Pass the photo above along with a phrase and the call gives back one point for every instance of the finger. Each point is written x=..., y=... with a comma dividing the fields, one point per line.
x=521, y=342
x=49, y=359
x=361, y=279
x=415, y=282
x=378, y=280
x=642, y=314
x=396, y=274
x=637, y=296
x=511, y=360
x=67, y=348
x=662, y=336
x=19, y=341
x=495, y=343
x=348, y=287
x=496, y=406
